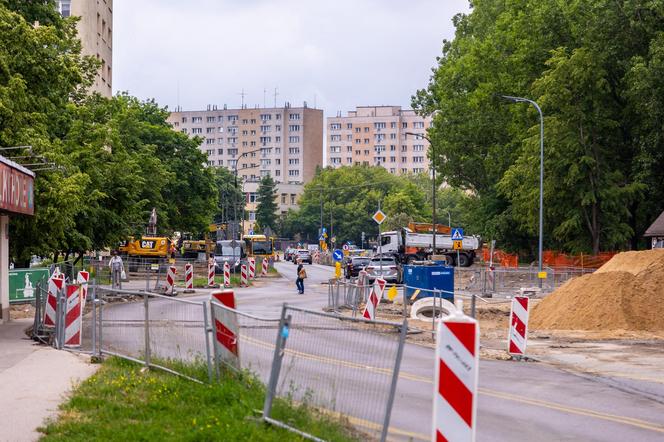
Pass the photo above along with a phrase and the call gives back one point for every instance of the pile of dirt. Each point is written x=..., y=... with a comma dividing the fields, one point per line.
x=627, y=293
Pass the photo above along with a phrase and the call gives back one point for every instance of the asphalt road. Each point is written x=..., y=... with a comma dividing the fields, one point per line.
x=350, y=372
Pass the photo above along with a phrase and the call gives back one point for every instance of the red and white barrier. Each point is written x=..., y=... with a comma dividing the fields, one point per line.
x=188, y=278
x=170, y=279
x=243, y=276
x=252, y=267
x=374, y=299
x=227, y=274
x=55, y=283
x=518, y=335
x=73, y=316
x=265, y=266
x=211, y=274
x=226, y=327
x=455, y=384
x=83, y=278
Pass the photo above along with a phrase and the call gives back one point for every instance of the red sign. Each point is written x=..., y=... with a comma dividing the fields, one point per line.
x=16, y=190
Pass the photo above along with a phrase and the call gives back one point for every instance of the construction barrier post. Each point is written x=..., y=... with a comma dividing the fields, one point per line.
x=83, y=278
x=252, y=267
x=518, y=334
x=456, y=375
x=264, y=266
x=211, y=274
x=73, y=316
x=374, y=299
x=227, y=274
x=243, y=276
x=170, y=280
x=226, y=329
x=188, y=278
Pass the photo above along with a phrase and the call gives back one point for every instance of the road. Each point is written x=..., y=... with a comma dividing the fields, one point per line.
x=350, y=372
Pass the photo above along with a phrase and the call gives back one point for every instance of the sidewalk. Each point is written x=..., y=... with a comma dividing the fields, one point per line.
x=34, y=380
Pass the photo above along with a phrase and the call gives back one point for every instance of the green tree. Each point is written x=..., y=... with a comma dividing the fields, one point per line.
x=230, y=196
x=266, y=211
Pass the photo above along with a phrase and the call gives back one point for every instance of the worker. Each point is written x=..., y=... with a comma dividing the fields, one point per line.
x=117, y=270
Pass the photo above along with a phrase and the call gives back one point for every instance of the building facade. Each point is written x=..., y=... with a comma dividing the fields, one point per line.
x=95, y=29
x=377, y=136
x=283, y=142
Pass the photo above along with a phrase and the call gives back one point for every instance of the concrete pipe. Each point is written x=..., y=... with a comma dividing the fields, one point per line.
x=422, y=309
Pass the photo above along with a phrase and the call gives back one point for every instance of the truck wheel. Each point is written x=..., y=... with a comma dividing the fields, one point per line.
x=464, y=261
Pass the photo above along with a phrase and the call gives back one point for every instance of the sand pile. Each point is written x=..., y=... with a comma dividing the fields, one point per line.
x=627, y=293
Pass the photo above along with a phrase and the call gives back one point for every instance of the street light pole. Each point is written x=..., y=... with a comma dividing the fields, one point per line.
x=541, y=180
x=433, y=185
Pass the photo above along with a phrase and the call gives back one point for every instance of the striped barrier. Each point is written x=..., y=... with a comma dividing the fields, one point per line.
x=518, y=335
x=252, y=267
x=226, y=328
x=456, y=373
x=264, y=266
x=73, y=316
x=170, y=280
x=188, y=278
x=83, y=278
x=227, y=274
x=374, y=299
x=243, y=276
x=211, y=274
x=55, y=284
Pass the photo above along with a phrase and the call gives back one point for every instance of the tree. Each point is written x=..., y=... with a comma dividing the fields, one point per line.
x=230, y=197
x=266, y=211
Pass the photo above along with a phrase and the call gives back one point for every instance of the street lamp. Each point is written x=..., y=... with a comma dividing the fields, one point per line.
x=433, y=193
x=541, y=194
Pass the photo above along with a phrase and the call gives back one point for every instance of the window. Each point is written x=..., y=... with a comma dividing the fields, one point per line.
x=210, y=141
x=252, y=144
x=232, y=163
x=292, y=199
x=232, y=152
x=184, y=119
x=393, y=136
x=209, y=130
x=393, y=170
x=245, y=121
x=220, y=119
x=379, y=137
x=176, y=124
x=220, y=130
x=335, y=126
x=266, y=128
x=209, y=152
x=294, y=139
x=196, y=120
x=366, y=152
x=293, y=150
x=335, y=149
x=393, y=159
x=220, y=162
x=211, y=119
x=349, y=138
x=245, y=132
x=404, y=125
x=253, y=121
x=294, y=161
x=335, y=160
x=266, y=117
x=349, y=148
x=349, y=126
x=283, y=198
x=232, y=118
x=294, y=173
x=418, y=159
x=196, y=130
x=231, y=140
x=418, y=148
x=220, y=141
x=380, y=125
x=294, y=117
x=245, y=144
x=404, y=170
x=65, y=9
x=184, y=130
x=404, y=159
x=349, y=160
x=358, y=129
x=294, y=127
x=335, y=137
x=277, y=172
x=404, y=148
x=393, y=148
x=278, y=116
x=418, y=124
x=232, y=130
x=366, y=141
x=358, y=141
x=277, y=150
x=220, y=151
x=277, y=161
x=266, y=140
x=379, y=148
x=366, y=129
x=418, y=170
x=252, y=216
x=253, y=132
x=277, y=128
x=265, y=163
x=393, y=125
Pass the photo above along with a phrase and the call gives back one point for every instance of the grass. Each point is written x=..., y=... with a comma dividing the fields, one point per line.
x=201, y=282
x=120, y=402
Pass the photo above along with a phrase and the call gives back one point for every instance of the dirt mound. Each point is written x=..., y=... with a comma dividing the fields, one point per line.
x=627, y=293
x=632, y=262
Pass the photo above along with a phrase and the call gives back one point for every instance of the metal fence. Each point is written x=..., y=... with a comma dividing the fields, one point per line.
x=323, y=360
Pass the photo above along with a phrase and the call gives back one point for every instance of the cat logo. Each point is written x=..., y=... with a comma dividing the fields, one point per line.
x=145, y=244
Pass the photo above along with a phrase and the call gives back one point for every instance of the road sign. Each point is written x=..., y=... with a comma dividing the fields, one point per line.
x=23, y=283
x=457, y=245
x=324, y=230
x=379, y=217
x=457, y=234
x=346, y=247
x=337, y=255
x=541, y=275
x=321, y=238
x=334, y=239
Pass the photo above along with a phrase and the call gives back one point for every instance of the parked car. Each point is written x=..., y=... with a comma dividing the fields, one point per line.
x=289, y=253
x=303, y=255
x=385, y=267
x=353, y=265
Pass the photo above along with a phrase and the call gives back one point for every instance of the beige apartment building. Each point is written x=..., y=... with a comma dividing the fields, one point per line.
x=95, y=29
x=376, y=136
x=283, y=142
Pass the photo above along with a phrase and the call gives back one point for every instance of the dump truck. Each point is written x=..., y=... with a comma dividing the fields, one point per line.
x=408, y=246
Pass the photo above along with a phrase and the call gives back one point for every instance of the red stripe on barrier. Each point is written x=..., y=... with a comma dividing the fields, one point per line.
x=518, y=325
x=455, y=393
x=226, y=337
x=523, y=301
x=465, y=333
x=514, y=349
x=74, y=340
x=440, y=437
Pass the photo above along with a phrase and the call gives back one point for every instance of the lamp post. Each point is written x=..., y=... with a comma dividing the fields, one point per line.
x=541, y=183
x=433, y=181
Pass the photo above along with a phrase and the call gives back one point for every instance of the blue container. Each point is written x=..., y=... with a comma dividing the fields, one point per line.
x=428, y=278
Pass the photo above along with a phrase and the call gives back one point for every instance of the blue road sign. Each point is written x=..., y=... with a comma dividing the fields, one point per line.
x=457, y=234
x=324, y=230
x=321, y=238
x=337, y=255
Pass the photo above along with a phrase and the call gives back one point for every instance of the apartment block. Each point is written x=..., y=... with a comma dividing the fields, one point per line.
x=377, y=136
x=283, y=142
x=95, y=30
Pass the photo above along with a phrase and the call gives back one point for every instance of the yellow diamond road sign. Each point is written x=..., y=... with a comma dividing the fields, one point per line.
x=379, y=217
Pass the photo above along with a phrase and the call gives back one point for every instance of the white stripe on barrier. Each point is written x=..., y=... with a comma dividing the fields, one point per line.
x=55, y=283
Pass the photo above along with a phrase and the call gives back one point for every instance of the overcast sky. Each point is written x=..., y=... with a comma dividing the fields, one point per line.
x=339, y=53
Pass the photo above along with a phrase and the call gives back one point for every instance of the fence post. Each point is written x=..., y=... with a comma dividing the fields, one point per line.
x=100, y=301
x=282, y=335
x=473, y=303
x=217, y=362
x=146, y=308
x=208, y=330
x=93, y=332
x=395, y=378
